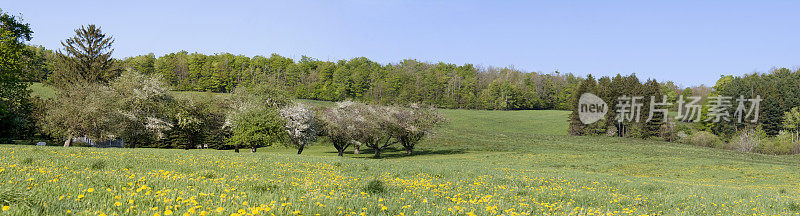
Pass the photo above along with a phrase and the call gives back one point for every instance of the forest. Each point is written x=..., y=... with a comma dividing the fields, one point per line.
x=440, y=84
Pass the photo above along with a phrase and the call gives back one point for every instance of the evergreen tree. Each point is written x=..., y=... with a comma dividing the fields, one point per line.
x=86, y=57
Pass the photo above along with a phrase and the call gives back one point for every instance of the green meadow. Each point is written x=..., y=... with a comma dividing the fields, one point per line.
x=478, y=163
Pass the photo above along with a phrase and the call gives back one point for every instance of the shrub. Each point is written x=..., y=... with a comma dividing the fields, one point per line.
x=781, y=144
x=703, y=138
x=748, y=139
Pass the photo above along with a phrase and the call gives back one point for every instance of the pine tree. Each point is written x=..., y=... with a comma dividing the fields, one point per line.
x=652, y=127
x=576, y=127
x=86, y=57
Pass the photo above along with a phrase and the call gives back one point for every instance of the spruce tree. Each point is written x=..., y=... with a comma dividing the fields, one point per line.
x=86, y=57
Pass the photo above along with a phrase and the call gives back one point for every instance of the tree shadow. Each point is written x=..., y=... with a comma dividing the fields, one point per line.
x=394, y=152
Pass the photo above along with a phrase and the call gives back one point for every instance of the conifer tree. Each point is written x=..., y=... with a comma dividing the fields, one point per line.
x=86, y=57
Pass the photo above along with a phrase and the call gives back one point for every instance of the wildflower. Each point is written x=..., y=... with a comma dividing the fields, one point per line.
x=90, y=190
x=6, y=208
x=168, y=212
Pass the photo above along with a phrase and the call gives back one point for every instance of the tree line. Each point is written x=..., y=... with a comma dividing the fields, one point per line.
x=441, y=84
x=776, y=130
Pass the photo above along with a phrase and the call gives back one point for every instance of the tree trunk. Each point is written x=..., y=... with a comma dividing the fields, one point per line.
x=409, y=151
x=300, y=150
x=253, y=149
x=377, y=153
x=68, y=142
x=341, y=152
x=356, y=149
x=236, y=148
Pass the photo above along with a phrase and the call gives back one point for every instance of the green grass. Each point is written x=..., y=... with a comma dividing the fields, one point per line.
x=481, y=162
x=39, y=89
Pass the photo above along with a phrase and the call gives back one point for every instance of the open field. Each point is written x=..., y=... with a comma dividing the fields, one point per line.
x=481, y=162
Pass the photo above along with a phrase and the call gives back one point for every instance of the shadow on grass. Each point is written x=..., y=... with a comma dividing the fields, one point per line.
x=389, y=153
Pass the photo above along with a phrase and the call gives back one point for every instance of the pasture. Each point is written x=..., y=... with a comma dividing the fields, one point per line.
x=479, y=163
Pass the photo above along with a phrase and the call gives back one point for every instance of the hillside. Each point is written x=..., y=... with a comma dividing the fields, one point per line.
x=481, y=162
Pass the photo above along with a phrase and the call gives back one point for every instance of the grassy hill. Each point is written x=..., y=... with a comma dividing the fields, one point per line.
x=481, y=162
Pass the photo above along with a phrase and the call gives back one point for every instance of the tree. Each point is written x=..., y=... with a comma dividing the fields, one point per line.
x=15, y=118
x=410, y=125
x=652, y=88
x=144, y=102
x=86, y=57
x=372, y=123
x=791, y=122
x=301, y=125
x=257, y=127
x=576, y=127
x=340, y=126
x=82, y=110
x=254, y=111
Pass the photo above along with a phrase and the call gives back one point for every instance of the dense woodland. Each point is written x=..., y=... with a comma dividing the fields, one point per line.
x=776, y=131
x=441, y=84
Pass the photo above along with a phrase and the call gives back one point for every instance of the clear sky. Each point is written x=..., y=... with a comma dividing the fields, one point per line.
x=690, y=42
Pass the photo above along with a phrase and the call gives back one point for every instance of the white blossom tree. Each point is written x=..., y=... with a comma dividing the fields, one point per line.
x=339, y=126
x=301, y=125
x=409, y=126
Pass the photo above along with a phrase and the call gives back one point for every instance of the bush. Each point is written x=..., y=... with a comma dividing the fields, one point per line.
x=703, y=138
x=748, y=139
x=781, y=144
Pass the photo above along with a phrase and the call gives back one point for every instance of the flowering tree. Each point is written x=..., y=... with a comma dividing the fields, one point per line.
x=410, y=125
x=143, y=101
x=374, y=127
x=340, y=126
x=301, y=125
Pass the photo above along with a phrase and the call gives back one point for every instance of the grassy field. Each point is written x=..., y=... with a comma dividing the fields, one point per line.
x=481, y=162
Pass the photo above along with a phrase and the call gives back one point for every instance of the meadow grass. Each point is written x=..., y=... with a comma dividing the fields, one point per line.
x=480, y=162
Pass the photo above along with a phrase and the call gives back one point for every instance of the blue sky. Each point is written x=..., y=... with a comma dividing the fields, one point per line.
x=690, y=42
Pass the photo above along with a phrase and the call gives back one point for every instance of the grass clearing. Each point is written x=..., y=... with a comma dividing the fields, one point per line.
x=481, y=162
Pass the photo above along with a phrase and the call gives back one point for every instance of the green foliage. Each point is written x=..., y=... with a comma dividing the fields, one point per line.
x=610, y=90
x=15, y=106
x=779, y=145
x=86, y=57
x=257, y=127
x=197, y=123
x=82, y=110
x=704, y=139
x=778, y=89
x=791, y=122
x=442, y=85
